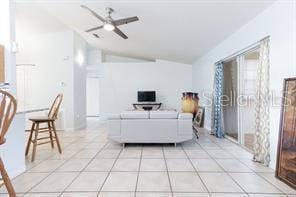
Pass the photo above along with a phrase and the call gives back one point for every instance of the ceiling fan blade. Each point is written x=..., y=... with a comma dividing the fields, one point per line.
x=125, y=21
x=95, y=28
x=96, y=35
x=120, y=33
x=93, y=13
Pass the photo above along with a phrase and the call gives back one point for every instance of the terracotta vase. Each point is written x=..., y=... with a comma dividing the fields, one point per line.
x=196, y=102
x=189, y=102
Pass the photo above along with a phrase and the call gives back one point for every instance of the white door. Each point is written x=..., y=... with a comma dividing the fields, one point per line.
x=92, y=91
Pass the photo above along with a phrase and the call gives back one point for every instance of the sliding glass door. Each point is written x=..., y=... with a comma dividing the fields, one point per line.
x=239, y=97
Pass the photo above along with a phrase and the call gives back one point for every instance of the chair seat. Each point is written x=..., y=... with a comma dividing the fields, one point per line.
x=41, y=119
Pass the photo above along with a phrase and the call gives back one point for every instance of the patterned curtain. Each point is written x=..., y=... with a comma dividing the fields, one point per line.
x=262, y=127
x=217, y=115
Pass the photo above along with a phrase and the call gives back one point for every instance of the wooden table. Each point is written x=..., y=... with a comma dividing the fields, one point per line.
x=137, y=105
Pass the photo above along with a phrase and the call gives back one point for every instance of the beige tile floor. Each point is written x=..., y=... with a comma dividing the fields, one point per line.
x=93, y=166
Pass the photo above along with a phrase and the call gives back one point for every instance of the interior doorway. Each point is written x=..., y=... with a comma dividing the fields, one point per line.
x=239, y=92
x=93, y=96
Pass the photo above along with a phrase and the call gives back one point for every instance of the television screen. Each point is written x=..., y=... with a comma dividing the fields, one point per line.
x=146, y=96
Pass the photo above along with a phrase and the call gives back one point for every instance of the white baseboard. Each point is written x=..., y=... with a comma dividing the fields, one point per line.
x=76, y=128
x=80, y=127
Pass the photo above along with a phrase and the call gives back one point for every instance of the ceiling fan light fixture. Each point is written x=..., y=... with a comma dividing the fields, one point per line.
x=109, y=26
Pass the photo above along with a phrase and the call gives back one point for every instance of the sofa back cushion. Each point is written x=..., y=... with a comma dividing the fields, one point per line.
x=185, y=116
x=114, y=117
x=134, y=115
x=163, y=115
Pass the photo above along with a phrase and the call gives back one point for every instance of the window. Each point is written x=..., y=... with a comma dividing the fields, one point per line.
x=249, y=70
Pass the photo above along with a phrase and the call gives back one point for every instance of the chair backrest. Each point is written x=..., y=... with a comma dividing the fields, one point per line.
x=54, y=110
x=8, y=107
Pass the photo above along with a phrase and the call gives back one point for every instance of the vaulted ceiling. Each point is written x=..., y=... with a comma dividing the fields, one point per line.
x=175, y=30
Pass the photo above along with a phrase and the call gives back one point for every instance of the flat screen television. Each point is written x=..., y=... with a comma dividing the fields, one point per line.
x=146, y=96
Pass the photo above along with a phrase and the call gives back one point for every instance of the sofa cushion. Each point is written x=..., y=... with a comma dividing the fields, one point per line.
x=183, y=116
x=163, y=115
x=134, y=115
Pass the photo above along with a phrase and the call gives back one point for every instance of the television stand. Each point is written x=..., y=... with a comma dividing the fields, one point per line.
x=147, y=106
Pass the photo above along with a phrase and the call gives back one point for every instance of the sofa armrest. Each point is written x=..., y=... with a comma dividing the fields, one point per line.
x=114, y=127
x=185, y=125
x=185, y=116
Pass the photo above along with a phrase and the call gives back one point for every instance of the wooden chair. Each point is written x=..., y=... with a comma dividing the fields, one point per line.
x=8, y=107
x=49, y=128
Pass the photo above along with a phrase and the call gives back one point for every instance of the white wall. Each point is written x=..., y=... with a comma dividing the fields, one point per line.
x=59, y=56
x=94, y=57
x=52, y=73
x=119, y=83
x=279, y=22
x=94, y=60
x=93, y=96
x=79, y=88
x=7, y=38
x=117, y=58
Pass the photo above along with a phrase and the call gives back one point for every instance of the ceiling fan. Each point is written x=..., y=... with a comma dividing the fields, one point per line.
x=96, y=35
x=109, y=23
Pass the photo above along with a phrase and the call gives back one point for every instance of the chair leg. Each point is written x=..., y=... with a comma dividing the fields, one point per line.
x=56, y=136
x=35, y=141
x=50, y=135
x=30, y=139
x=6, y=180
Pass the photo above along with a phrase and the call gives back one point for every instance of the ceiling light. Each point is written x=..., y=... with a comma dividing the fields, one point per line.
x=80, y=58
x=109, y=26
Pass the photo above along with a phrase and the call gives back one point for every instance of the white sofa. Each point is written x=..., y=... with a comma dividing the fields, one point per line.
x=150, y=127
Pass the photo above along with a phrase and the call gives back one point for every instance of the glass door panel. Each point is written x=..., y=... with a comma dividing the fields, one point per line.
x=248, y=66
x=230, y=108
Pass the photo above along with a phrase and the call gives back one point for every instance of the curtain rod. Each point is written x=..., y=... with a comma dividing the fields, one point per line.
x=244, y=50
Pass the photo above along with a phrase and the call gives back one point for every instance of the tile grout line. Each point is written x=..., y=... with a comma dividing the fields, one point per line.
x=139, y=170
x=252, y=171
x=108, y=174
x=28, y=191
x=136, y=188
x=196, y=170
x=225, y=170
x=79, y=172
x=167, y=170
x=273, y=184
x=47, y=158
